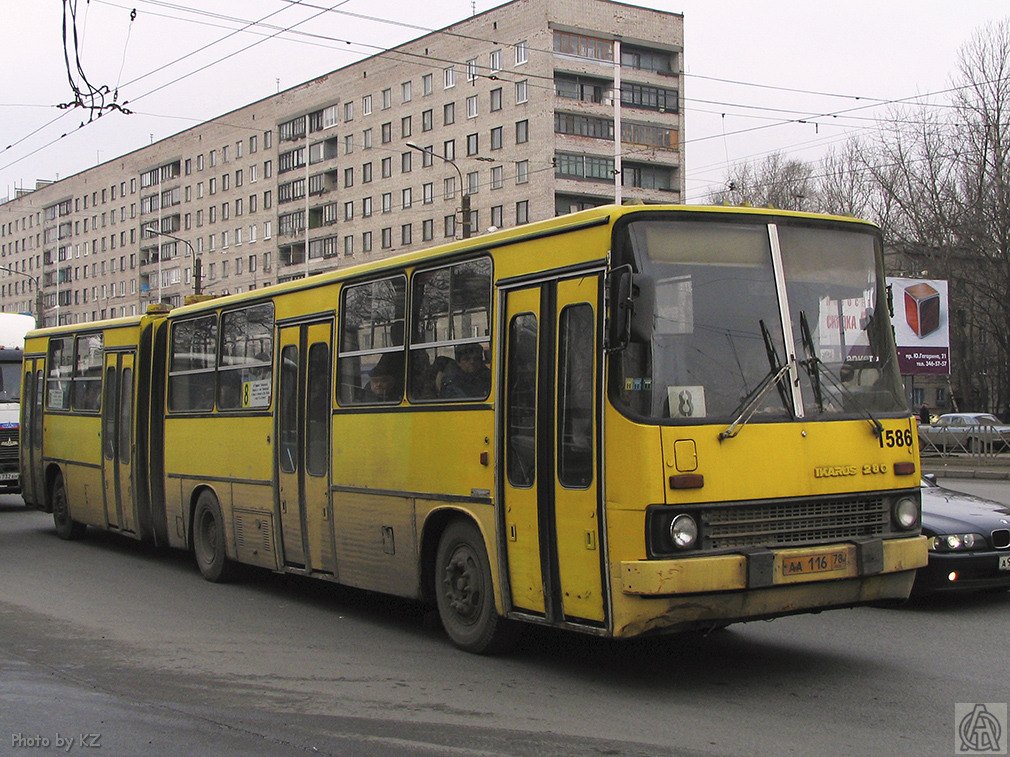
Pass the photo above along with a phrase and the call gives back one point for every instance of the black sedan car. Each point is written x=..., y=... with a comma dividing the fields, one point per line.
x=969, y=541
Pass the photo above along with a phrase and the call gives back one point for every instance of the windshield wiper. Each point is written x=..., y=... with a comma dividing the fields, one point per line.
x=753, y=400
x=815, y=367
x=810, y=366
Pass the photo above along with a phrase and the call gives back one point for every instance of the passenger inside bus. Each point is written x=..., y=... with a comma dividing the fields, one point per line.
x=465, y=377
x=385, y=382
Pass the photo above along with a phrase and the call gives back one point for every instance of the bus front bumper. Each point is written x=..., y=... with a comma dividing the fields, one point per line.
x=764, y=568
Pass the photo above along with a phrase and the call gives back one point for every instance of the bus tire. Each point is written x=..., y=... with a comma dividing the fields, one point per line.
x=66, y=528
x=209, y=547
x=464, y=592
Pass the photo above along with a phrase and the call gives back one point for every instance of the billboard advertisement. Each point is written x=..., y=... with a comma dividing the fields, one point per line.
x=921, y=325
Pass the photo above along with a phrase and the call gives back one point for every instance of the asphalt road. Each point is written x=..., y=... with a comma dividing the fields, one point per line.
x=124, y=651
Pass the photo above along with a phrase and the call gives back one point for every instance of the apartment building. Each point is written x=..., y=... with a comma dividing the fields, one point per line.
x=518, y=109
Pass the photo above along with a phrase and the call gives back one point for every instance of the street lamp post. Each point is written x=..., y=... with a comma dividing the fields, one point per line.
x=197, y=263
x=465, y=200
x=39, y=305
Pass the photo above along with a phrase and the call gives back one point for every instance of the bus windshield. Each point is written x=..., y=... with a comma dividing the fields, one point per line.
x=708, y=334
x=10, y=381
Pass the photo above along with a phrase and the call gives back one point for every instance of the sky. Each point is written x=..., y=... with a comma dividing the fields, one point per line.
x=789, y=76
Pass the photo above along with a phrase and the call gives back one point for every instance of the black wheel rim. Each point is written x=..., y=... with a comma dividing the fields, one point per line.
x=463, y=585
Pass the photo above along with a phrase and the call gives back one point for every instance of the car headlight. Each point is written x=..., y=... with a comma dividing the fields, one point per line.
x=683, y=531
x=905, y=513
x=956, y=542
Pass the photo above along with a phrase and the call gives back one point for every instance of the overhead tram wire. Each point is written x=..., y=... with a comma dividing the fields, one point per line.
x=428, y=59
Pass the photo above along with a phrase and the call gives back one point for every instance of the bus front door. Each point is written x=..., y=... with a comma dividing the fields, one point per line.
x=550, y=472
x=117, y=441
x=32, y=403
x=303, y=447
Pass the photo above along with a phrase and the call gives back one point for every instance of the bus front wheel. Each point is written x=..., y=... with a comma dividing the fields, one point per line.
x=465, y=594
x=209, y=540
x=66, y=527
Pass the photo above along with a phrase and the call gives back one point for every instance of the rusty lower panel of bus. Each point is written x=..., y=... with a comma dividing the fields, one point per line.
x=676, y=595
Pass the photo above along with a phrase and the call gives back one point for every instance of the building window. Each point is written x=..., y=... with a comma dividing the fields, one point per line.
x=522, y=131
x=497, y=180
x=522, y=171
x=583, y=46
x=496, y=100
x=387, y=237
x=387, y=132
x=406, y=234
x=496, y=140
x=366, y=207
x=427, y=230
x=426, y=121
x=494, y=60
x=471, y=106
x=405, y=93
x=522, y=212
x=387, y=167
x=366, y=173
x=426, y=84
x=449, y=226
x=366, y=105
x=472, y=144
x=522, y=91
x=496, y=216
x=366, y=241
x=405, y=127
x=448, y=114
x=406, y=198
x=521, y=53
x=449, y=77
x=348, y=111
x=387, y=98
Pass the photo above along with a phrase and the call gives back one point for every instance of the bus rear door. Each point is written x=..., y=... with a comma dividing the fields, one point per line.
x=117, y=441
x=304, y=418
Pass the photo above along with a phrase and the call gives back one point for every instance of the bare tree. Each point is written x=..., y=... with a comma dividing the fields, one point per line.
x=943, y=176
x=776, y=182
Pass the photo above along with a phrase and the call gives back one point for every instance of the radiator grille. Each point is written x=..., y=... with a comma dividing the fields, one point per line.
x=805, y=521
x=9, y=445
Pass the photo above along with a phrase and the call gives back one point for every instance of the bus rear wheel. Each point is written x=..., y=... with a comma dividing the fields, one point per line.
x=67, y=528
x=209, y=546
x=464, y=592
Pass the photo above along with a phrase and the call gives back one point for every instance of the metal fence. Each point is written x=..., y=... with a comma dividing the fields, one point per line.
x=976, y=441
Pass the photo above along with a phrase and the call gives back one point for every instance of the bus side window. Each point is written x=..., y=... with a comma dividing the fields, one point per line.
x=191, y=364
x=61, y=365
x=245, y=371
x=450, y=332
x=370, y=364
x=87, y=382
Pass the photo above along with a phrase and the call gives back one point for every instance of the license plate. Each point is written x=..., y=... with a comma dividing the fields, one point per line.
x=8, y=476
x=1004, y=562
x=821, y=562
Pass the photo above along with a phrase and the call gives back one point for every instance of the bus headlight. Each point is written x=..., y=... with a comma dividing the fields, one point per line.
x=905, y=513
x=683, y=531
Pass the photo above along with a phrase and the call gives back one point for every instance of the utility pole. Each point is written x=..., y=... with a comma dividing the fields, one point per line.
x=197, y=263
x=465, y=200
x=39, y=302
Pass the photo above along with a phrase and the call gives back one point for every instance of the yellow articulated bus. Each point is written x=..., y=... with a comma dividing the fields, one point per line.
x=623, y=421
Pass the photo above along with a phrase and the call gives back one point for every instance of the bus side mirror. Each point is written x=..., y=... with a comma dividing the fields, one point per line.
x=620, y=293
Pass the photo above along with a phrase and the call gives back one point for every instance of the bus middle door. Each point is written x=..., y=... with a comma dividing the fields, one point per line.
x=550, y=481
